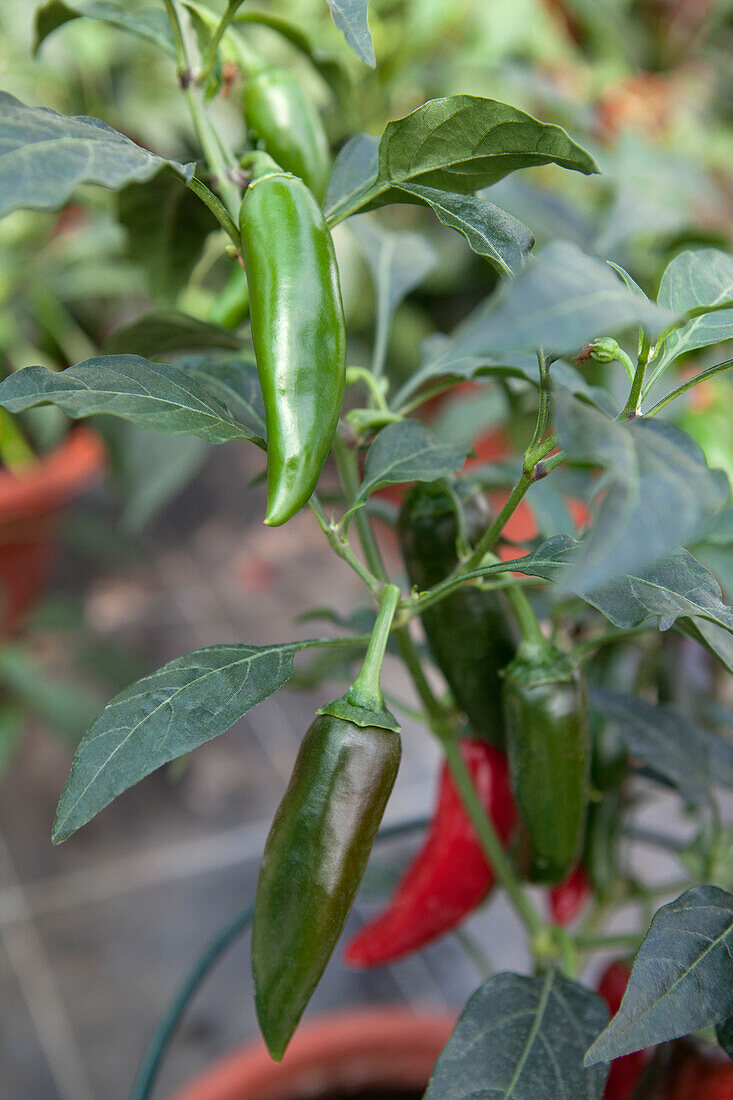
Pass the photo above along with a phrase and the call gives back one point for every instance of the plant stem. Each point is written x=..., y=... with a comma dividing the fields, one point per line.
x=346, y=465
x=528, y=624
x=210, y=57
x=217, y=159
x=622, y=939
x=182, y=65
x=543, y=410
x=439, y=720
x=366, y=690
x=340, y=544
x=372, y=383
x=631, y=409
x=489, y=838
x=218, y=209
x=701, y=377
x=488, y=540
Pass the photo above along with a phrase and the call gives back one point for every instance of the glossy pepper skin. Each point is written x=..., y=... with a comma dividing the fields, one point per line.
x=280, y=114
x=468, y=632
x=313, y=862
x=548, y=745
x=625, y=1072
x=297, y=331
x=568, y=898
x=450, y=876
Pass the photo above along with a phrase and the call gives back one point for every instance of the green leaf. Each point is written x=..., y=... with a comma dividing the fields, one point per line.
x=458, y=144
x=233, y=381
x=407, y=451
x=716, y=639
x=682, y=978
x=677, y=586
x=398, y=262
x=656, y=494
x=492, y=233
x=664, y=739
x=724, y=1035
x=691, y=280
x=68, y=710
x=522, y=1039
x=350, y=16
x=156, y=396
x=174, y=710
x=167, y=226
x=464, y=142
x=559, y=301
x=148, y=23
x=354, y=172
x=164, y=332
x=45, y=156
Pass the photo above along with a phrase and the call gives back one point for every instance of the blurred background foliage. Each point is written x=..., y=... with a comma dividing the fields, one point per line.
x=645, y=85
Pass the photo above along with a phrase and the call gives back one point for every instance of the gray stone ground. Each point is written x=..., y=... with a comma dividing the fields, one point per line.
x=96, y=935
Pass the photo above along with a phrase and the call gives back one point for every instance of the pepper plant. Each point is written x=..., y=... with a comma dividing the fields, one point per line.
x=545, y=733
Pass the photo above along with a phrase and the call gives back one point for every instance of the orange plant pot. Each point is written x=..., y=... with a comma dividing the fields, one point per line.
x=31, y=505
x=388, y=1049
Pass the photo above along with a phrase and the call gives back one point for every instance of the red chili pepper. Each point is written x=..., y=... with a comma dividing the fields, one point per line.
x=568, y=898
x=626, y=1071
x=703, y=1080
x=450, y=876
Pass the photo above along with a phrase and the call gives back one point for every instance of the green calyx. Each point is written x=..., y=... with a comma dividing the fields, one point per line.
x=533, y=667
x=363, y=704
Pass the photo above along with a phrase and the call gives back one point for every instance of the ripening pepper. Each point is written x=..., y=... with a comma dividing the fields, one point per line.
x=449, y=877
x=568, y=898
x=548, y=745
x=314, y=860
x=280, y=114
x=297, y=330
x=468, y=632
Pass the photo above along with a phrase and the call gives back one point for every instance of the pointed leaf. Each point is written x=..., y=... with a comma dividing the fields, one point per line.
x=149, y=24
x=682, y=978
x=174, y=710
x=464, y=142
x=407, y=451
x=664, y=739
x=503, y=240
x=522, y=1039
x=694, y=279
x=166, y=226
x=398, y=261
x=156, y=396
x=350, y=16
x=354, y=172
x=559, y=301
x=657, y=492
x=235, y=382
x=163, y=332
x=45, y=156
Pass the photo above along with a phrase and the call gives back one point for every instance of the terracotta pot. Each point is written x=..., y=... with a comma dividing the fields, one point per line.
x=31, y=505
x=388, y=1048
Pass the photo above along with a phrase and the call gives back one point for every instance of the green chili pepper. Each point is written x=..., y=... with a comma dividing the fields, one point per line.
x=320, y=840
x=281, y=115
x=468, y=632
x=297, y=330
x=231, y=305
x=548, y=745
x=314, y=861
